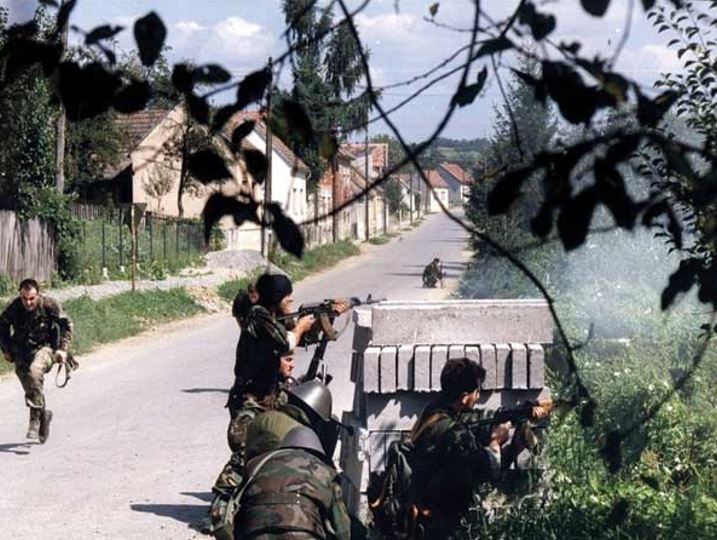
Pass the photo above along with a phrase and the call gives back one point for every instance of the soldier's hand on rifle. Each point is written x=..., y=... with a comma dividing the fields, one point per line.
x=60, y=356
x=500, y=435
x=340, y=306
x=305, y=323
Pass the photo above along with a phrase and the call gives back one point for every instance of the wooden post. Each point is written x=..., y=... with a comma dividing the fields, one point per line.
x=366, y=199
x=265, y=239
x=335, y=190
x=133, y=230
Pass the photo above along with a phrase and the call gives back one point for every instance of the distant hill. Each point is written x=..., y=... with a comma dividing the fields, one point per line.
x=463, y=145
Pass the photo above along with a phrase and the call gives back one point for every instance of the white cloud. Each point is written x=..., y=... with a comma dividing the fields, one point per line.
x=236, y=27
x=387, y=28
x=189, y=27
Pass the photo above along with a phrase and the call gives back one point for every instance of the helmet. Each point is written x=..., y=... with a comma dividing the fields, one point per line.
x=304, y=438
x=313, y=397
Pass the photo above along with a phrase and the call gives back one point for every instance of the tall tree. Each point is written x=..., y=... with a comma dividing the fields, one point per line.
x=326, y=68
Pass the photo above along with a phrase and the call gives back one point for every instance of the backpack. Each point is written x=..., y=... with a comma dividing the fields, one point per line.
x=224, y=530
x=392, y=509
x=394, y=512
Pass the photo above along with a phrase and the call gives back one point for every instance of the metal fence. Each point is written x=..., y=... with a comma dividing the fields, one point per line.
x=106, y=236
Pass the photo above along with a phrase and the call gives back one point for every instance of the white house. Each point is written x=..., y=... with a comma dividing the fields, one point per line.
x=288, y=181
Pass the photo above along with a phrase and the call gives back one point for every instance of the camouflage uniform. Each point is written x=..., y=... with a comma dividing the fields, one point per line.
x=449, y=463
x=30, y=344
x=294, y=495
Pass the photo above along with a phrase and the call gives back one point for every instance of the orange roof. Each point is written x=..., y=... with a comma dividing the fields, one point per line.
x=435, y=179
x=134, y=128
x=379, y=152
x=457, y=172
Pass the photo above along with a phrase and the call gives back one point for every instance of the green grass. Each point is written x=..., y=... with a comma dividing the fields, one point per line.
x=126, y=314
x=96, y=322
x=229, y=289
x=315, y=259
x=379, y=240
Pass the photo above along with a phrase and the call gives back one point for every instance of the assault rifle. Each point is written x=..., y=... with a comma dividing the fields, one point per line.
x=521, y=413
x=323, y=331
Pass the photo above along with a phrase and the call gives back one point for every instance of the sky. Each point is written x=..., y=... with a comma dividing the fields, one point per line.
x=242, y=34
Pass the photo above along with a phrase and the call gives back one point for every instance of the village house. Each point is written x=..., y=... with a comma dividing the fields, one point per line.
x=458, y=180
x=150, y=167
x=439, y=192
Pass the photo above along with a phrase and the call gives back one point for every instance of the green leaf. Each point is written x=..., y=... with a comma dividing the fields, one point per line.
x=252, y=87
x=150, y=33
x=287, y=232
x=681, y=280
x=207, y=166
x=467, y=94
x=219, y=205
x=493, y=46
x=648, y=4
x=133, y=97
x=211, y=74
x=595, y=7
x=241, y=131
x=102, y=32
x=433, y=9
x=256, y=164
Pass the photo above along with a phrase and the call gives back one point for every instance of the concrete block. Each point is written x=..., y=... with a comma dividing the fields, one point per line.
x=361, y=340
x=456, y=351
x=502, y=366
x=487, y=361
x=519, y=366
x=422, y=368
x=395, y=412
x=536, y=366
x=362, y=316
x=405, y=368
x=462, y=321
x=388, y=360
x=371, y=371
x=439, y=355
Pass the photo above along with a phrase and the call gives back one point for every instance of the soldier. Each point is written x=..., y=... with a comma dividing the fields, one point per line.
x=243, y=302
x=433, y=273
x=450, y=456
x=293, y=492
x=29, y=327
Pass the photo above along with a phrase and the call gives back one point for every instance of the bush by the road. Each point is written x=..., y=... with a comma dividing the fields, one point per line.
x=315, y=259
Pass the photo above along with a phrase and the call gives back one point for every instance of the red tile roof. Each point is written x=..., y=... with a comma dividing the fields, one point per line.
x=134, y=128
x=457, y=172
x=435, y=179
x=379, y=152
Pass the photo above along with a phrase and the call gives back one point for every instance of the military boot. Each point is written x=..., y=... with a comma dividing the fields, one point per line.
x=44, y=431
x=33, y=427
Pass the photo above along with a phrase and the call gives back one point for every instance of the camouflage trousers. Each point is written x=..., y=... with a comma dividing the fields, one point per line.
x=31, y=369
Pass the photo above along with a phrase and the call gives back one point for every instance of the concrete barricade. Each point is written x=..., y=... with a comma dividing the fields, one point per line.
x=399, y=351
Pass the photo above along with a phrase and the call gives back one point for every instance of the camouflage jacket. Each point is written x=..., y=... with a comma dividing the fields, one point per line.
x=262, y=341
x=32, y=330
x=449, y=459
x=294, y=495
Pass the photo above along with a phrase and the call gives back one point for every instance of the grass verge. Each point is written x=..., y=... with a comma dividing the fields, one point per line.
x=102, y=321
x=315, y=259
x=379, y=240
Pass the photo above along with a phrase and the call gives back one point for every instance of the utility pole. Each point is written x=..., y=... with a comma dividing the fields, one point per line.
x=334, y=188
x=410, y=197
x=366, y=199
x=265, y=236
x=60, y=130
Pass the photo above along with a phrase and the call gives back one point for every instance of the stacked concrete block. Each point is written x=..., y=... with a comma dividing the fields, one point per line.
x=400, y=349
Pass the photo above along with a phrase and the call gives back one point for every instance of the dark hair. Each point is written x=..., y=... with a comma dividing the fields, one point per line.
x=460, y=375
x=27, y=284
x=272, y=288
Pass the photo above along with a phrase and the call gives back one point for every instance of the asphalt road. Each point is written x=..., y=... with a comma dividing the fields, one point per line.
x=139, y=434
